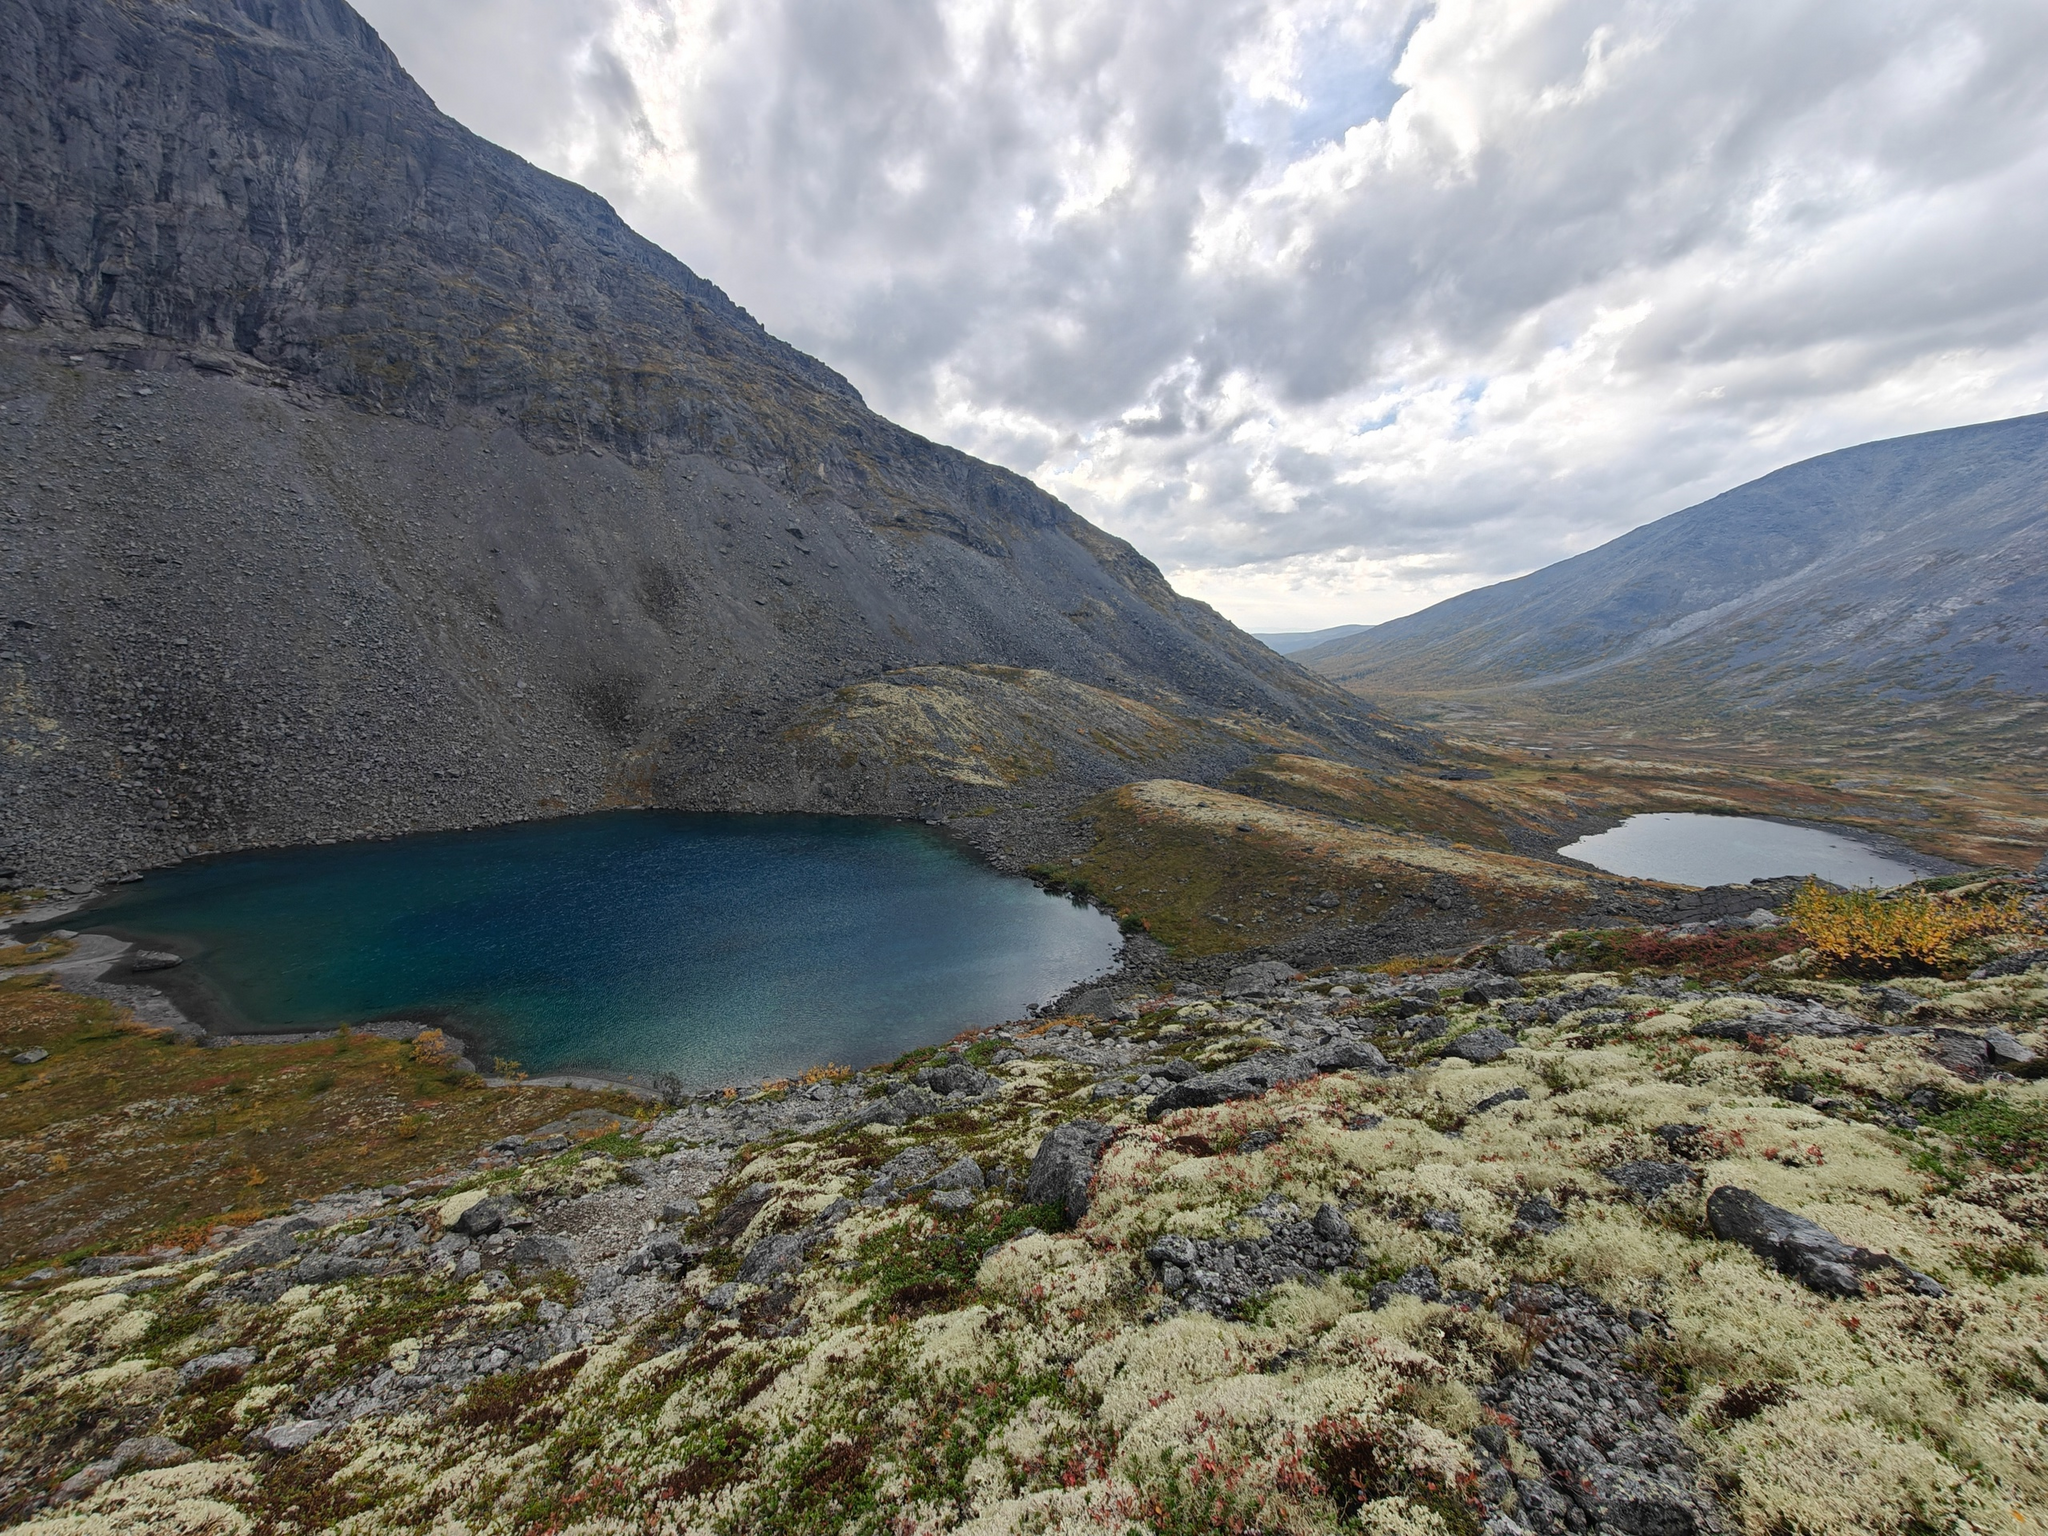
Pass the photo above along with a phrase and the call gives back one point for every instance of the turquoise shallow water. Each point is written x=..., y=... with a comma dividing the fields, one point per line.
x=1693, y=849
x=720, y=948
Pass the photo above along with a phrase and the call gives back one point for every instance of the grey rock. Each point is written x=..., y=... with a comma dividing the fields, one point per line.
x=2007, y=1054
x=1521, y=960
x=685, y=1209
x=293, y=1435
x=326, y=1268
x=1251, y=980
x=31, y=1056
x=662, y=1254
x=956, y=1079
x=2011, y=965
x=777, y=1254
x=722, y=1298
x=952, y=1199
x=1651, y=1181
x=1331, y=1225
x=900, y=1108
x=488, y=1215
x=1801, y=1248
x=1419, y=1282
x=963, y=1173
x=1480, y=1046
x=1064, y=1167
x=1448, y=1222
x=1258, y=1076
x=538, y=1250
x=1172, y=1249
x=272, y=1248
x=226, y=1362
x=1961, y=1053
x=1537, y=1216
x=1492, y=989
x=1495, y=1100
x=154, y=960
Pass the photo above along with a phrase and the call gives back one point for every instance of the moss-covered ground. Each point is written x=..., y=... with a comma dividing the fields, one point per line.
x=939, y=1371
x=121, y=1137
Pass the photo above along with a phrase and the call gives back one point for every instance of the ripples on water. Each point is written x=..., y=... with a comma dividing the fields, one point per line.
x=720, y=948
x=1692, y=849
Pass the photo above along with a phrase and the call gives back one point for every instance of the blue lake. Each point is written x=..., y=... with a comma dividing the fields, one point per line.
x=719, y=948
x=1693, y=849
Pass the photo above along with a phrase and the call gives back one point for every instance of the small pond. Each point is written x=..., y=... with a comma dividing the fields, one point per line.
x=719, y=948
x=1692, y=849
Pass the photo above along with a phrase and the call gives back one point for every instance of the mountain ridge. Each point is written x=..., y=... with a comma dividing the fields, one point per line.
x=362, y=478
x=1890, y=573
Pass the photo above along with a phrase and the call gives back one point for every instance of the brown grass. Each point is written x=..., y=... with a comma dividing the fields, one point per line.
x=126, y=1136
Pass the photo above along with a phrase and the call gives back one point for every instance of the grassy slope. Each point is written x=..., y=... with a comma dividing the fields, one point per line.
x=124, y=1136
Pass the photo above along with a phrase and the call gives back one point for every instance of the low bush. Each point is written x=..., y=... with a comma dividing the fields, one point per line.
x=1865, y=932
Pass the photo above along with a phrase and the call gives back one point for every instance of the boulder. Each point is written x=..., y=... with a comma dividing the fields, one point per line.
x=154, y=960
x=2005, y=1053
x=965, y=1173
x=1261, y=1074
x=959, y=1078
x=1960, y=1052
x=1480, y=1046
x=30, y=1057
x=230, y=1362
x=1803, y=1249
x=292, y=1435
x=1521, y=960
x=899, y=1108
x=1651, y=1181
x=483, y=1217
x=777, y=1254
x=1492, y=989
x=1064, y=1166
x=1537, y=1216
x=273, y=1247
x=1264, y=976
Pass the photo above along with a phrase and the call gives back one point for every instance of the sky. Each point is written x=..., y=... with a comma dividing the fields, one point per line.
x=1333, y=310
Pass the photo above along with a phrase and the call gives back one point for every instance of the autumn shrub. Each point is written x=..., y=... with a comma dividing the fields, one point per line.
x=1865, y=932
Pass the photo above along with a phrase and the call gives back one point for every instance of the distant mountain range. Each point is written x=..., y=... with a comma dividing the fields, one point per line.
x=1881, y=579
x=359, y=477
x=1291, y=641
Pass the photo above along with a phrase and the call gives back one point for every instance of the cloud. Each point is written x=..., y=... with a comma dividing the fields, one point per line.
x=1334, y=309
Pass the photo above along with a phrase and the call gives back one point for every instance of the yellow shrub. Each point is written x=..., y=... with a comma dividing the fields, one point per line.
x=1863, y=931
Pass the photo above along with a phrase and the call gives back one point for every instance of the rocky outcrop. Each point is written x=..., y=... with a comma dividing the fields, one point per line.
x=1264, y=1072
x=1803, y=1249
x=361, y=477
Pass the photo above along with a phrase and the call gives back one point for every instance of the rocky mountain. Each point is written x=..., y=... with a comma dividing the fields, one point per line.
x=359, y=477
x=1876, y=579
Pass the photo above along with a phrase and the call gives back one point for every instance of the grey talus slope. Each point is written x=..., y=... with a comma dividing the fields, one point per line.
x=358, y=476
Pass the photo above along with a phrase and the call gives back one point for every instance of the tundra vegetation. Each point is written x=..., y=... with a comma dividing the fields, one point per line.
x=1431, y=1246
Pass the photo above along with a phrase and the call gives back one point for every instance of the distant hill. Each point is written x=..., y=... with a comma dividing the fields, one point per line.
x=1308, y=639
x=1882, y=580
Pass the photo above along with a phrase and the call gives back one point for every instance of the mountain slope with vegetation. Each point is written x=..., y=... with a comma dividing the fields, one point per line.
x=1896, y=586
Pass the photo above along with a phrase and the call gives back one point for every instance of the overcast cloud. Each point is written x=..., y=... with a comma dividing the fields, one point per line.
x=1333, y=310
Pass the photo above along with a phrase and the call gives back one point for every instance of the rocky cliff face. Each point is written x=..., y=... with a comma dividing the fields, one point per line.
x=359, y=477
